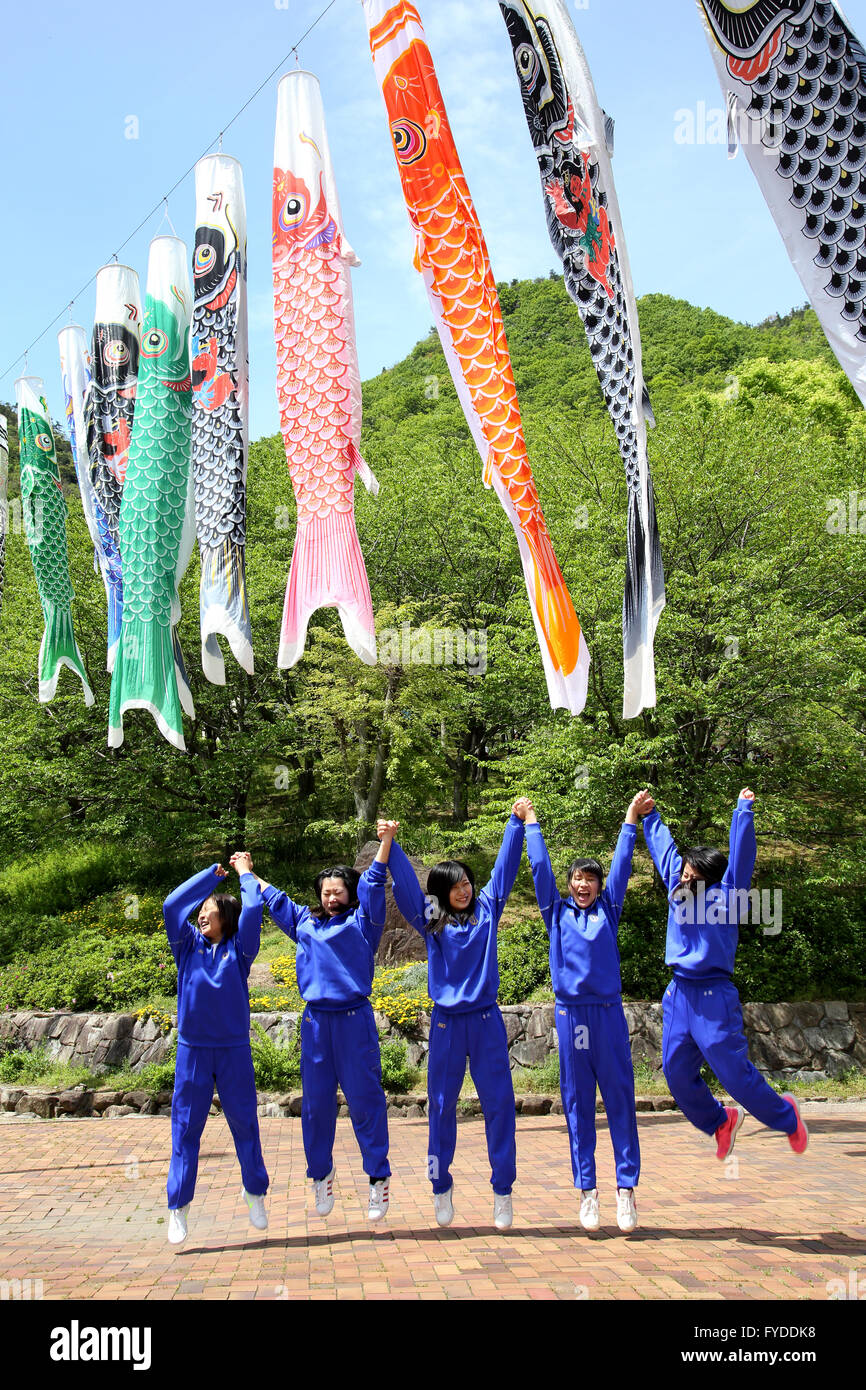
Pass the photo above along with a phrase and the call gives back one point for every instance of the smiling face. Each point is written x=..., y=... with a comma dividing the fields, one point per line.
x=461, y=894
x=334, y=896
x=584, y=888
x=209, y=923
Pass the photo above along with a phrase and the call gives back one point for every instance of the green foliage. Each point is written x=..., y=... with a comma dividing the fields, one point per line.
x=541, y=1080
x=89, y=972
x=523, y=961
x=396, y=1073
x=276, y=1068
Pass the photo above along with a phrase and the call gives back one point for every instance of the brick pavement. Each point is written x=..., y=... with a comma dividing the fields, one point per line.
x=82, y=1209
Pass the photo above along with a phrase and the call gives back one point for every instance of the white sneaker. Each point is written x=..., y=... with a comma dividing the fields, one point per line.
x=503, y=1213
x=258, y=1215
x=378, y=1208
x=323, y=1192
x=177, y=1225
x=589, y=1209
x=443, y=1205
x=626, y=1211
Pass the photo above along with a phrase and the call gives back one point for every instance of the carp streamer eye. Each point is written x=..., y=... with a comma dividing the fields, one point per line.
x=154, y=343
x=115, y=353
x=294, y=212
x=410, y=142
x=43, y=442
x=526, y=59
x=204, y=258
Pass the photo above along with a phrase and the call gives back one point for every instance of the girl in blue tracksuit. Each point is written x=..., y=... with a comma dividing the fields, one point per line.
x=335, y=958
x=213, y=1026
x=591, y=1026
x=701, y=1010
x=459, y=931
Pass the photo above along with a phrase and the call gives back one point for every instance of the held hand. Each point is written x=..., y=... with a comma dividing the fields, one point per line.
x=747, y=795
x=221, y=872
x=641, y=805
x=520, y=807
x=387, y=829
x=241, y=862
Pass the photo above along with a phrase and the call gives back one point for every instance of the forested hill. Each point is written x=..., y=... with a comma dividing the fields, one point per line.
x=684, y=348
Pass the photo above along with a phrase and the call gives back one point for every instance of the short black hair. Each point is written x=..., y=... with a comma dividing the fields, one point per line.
x=350, y=877
x=709, y=864
x=229, y=910
x=440, y=880
x=589, y=866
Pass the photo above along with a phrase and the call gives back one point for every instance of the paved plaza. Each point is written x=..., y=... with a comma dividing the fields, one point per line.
x=82, y=1209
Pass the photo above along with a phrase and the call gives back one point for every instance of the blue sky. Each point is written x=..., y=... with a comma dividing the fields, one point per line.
x=75, y=186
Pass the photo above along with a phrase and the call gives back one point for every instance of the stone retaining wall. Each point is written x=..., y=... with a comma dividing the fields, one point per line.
x=807, y=1042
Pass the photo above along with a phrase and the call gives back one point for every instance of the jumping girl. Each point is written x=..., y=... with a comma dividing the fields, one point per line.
x=213, y=1024
x=336, y=949
x=702, y=1018
x=459, y=931
x=591, y=1025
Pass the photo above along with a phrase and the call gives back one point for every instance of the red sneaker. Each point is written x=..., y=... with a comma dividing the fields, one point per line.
x=799, y=1140
x=726, y=1134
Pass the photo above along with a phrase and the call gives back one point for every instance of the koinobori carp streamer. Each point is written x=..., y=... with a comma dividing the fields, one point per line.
x=573, y=142
x=157, y=514
x=318, y=381
x=109, y=410
x=451, y=255
x=44, y=513
x=220, y=420
x=795, y=79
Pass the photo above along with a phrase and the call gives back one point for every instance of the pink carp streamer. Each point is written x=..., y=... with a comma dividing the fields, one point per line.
x=318, y=382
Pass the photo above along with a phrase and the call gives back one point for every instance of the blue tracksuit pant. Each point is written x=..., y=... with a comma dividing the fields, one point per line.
x=594, y=1050
x=341, y=1048
x=479, y=1035
x=196, y=1071
x=704, y=1021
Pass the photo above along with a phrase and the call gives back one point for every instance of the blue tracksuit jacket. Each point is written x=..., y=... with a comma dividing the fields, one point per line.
x=584, y=955
x=705, y=948
x=462, y=968
x=335, y=956
x=213, y=1002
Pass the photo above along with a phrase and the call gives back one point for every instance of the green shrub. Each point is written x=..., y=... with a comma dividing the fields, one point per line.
x=523, y=961
x=17, y=1064
x=89, y=972
x=276, y=1068
x=59, y=880
x=159, y=1076
x=396, y=1075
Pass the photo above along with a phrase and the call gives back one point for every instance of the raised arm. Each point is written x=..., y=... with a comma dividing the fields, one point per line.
x=743, y=847
x=285, y=913
x=408, y=893
x=371, y=896
x=249, y=932
x=620, y=869
x=663, y=850
x=543, y=877
x=495, y=892
x=179, y=904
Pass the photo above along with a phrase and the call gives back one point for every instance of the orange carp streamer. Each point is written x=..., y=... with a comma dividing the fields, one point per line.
x=452, y=257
